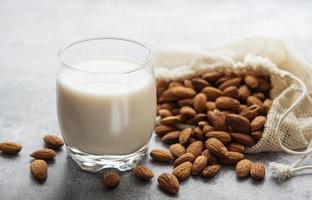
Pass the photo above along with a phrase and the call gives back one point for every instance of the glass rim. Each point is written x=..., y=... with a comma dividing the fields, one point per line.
x=140, y=66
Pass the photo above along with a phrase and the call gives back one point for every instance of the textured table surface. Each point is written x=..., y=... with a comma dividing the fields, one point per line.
x=32, y=31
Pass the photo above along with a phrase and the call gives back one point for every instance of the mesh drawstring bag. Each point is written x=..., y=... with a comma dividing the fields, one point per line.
x=289, y=121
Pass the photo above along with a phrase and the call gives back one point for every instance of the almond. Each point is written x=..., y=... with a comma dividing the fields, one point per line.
x=183, y=92
x=251, y=112
x=168, y=95
x=223, y=136
x=168, y=106
x=183, y=171
x=53, y=141
x=163, y=113
x=212, y=76
x=259, y=95
x=264, y=86
x=258, y=123
x=207, y=128
x=243, y=168
x=211, y=93
x=187, y=157
x=211, y=171
x=195, y=148
x=199, y=84
x=187, y=111
x=216, y=147
x=171, y=137
x=174, y=84
x=231, y=82
x=199, y=165
x=44, y=154
x=186, y=102
x=210, y=106
x=188, y=83
x=169, y=183
x=244, y=139
x=244, y=92
x=177, y=150
x=251, y=81
x=227, y=103
x=202, y=124
x=161, y=155
x=238, y=123
x=266, y=106
x=198, y=134
x=252, y=100
x=257, y=171
x=111, y=179
x=217, y=119
x=236, y=147
x=39, y=169
x=200, y=101
x=10, y=148
x=161, y=130
x=199, y=117
x=242, y=107
x=143, y=172
x=232, y=158
x=185, y=135
x=170, y=121
x=211, y=159
x=256, y=135
x=231, y=92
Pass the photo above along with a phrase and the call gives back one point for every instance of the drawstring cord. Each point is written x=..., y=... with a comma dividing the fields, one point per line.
x=283, y=171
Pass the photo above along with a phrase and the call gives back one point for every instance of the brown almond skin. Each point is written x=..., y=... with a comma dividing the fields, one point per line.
x=227, y=103
x=202, y=124
x=210, y=106
x=187, y=157
x=198, y=84
x=44, y=154
x=188, y=83
x=231, y=82
x=211, y=93
x=199, y=117
x=236, y=147
x=53, y=141
x=183, y=171
x=259, y=95
x=212, y=76
x=168, y=105
x=257, y=135
x=251, y=100
x=266, y=106
x=216, y=147
x=39, y=169
x=10, y=148
x=208, y=128
x=143, y=172
x=164, y=113
x=264, y=86
x=232, y=158
x=198, y=134
x=168, y=95
x=243, y=168
x=244, y=139
x=186, y=102
x=231, y=91
x=111, y=179
x=223, y=136
x=170, y=121
x=171, y=137
x=199, y=165
x=238, y=123
x=257, y=171
x=200, y=101
x=185, y=135
x=169, y=183
x=252, y=81
x=183, y=92
x=244, y=92
x=258, y=123
x=161, y=130
x=188, y=111
x=195, y=148
x=211, y=159
x=161, y=155
x=217, y=119
x=177, y=150
x=251, y=112
x=211, y=171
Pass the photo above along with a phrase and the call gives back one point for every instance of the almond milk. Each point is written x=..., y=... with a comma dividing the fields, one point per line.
x=106, y=114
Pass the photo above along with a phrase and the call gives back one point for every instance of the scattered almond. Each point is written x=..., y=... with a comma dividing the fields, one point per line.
x=10, y=148
x=243, y=168
x=111, y=179
x=216, y=147
x=39, y=169
x=177, y=150
x=143, y=172
x=211, y=171
x=161, y=155
x=187, y=157
x=44, y=154
x=53, y=141
x=195, y=148
x=199, y=165
x=169, y=183
x=257, y=171
x=183, y=171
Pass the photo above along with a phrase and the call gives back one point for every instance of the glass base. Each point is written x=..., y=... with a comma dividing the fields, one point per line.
x=94, y=163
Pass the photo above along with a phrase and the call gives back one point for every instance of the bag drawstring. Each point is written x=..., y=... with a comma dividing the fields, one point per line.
x=283, y=171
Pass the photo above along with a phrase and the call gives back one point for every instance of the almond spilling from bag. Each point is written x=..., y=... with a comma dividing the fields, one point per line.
x=216, y=147
x=10, y=148
x=39, y=169
x=143, y=172
x=238, y=123
x=169, y=183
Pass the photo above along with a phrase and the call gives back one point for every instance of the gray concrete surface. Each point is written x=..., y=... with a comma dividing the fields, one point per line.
x=32, y=31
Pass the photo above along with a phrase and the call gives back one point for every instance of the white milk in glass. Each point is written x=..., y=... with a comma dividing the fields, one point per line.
x=107, y=114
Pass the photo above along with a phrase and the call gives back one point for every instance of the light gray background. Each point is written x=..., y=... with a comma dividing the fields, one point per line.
x=32, y=31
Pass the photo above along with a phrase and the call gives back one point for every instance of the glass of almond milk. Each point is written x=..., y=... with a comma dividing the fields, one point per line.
x=106, y=102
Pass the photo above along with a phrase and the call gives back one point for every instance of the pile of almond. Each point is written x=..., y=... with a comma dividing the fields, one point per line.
x=208, y=121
